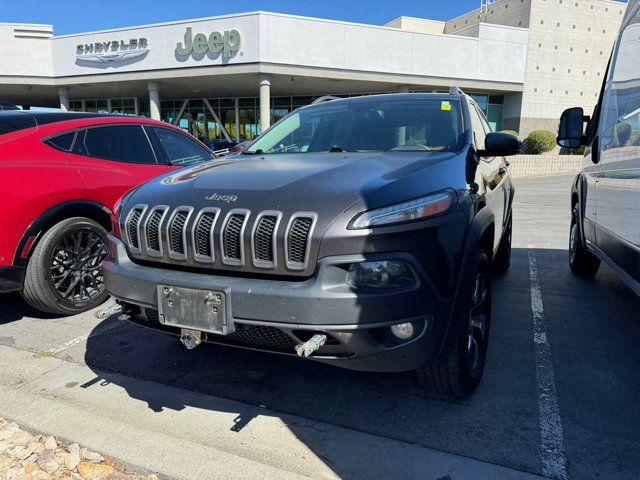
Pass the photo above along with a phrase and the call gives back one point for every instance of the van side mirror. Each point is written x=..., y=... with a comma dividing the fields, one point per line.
x=571, y=128
x=499, y=144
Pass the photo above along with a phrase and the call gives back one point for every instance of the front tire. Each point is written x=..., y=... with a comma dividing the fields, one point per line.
x=64, y=273
x=458, y=374
x=582, y=262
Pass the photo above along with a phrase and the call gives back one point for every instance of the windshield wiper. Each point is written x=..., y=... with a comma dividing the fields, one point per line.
x=336, y=148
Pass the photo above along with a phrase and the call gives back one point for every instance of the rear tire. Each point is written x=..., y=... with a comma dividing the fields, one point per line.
x=64, y=273
x=502, y=260
x=582, y=262
x=457, y=375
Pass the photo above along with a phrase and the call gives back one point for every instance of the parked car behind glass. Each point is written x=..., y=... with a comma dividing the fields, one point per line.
x=61, y=174
x=605, y=197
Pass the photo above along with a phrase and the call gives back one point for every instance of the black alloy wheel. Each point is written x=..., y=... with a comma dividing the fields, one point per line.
x=64, y=274
x=76, y=271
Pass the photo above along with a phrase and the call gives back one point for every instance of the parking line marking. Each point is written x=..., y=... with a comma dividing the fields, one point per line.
x=552, y=454
x=82, y=338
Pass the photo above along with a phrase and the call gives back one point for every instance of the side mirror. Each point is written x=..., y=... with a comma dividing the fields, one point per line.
x=571, y=128
x=499, y=144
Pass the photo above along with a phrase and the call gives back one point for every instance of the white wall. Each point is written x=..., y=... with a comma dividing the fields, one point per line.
x=162, y=40
x=498, y=55
x=26, y=50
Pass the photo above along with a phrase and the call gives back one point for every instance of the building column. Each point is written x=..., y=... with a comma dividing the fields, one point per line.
x=265, y=102
x=63, y=93
x=154, y=100
x=402, y=131
x=237, y=105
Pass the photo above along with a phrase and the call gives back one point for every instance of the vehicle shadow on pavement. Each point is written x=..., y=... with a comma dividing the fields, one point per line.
x=498, y=424
x=13, y=307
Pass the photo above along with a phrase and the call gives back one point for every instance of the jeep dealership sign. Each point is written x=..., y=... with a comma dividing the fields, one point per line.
x=227, y=43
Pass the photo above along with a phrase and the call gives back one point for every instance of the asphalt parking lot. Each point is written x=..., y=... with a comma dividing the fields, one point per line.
x=559, y=396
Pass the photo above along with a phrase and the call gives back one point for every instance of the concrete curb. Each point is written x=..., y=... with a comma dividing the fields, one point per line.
x=186, y=435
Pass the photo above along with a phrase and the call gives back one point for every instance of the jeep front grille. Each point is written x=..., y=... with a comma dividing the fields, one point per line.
x=152, y=230
x=159, y=233
x=203, y=234
x=232, y=238
x=263, y=239
x=298, y=240
x=133, y=224
x=177, y=233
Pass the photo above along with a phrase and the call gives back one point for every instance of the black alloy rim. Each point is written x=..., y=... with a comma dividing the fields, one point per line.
x=478, y=317
x=76, y=266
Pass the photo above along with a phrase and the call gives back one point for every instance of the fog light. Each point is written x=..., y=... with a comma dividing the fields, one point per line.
x=402, y=331
x=383, y=274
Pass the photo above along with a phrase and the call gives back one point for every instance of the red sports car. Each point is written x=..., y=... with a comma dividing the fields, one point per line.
x=61, y=174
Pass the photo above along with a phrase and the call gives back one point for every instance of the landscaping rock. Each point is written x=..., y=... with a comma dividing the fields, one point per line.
x=25, y=456
x=94, y=471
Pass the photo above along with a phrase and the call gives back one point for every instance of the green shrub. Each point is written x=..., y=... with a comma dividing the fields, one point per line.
x=510, y=132
x=623, y=131
x=539, y=141
x=634, y=139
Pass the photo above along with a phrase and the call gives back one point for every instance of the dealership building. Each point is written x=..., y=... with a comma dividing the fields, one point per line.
x=227, y=78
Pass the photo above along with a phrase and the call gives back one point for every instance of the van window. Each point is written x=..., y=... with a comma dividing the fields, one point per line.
x=620, y=114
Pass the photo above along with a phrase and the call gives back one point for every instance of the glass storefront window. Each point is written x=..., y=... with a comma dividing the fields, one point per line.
x=75, y=105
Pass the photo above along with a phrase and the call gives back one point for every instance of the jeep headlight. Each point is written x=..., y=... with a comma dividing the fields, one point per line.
x=409, y=211
x=382, y=274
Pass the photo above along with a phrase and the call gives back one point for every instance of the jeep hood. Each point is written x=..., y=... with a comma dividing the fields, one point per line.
x=326, y=183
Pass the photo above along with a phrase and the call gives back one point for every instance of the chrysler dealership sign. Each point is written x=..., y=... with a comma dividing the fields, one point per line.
x=227, y=43
x=111, y=52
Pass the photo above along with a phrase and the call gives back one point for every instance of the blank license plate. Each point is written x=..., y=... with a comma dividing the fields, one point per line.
x=203, y=310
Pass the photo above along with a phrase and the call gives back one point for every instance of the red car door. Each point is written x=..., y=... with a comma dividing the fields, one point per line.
x=114, y=158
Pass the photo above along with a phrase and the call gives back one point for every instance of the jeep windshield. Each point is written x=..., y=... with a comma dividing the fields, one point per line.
x=367, y=124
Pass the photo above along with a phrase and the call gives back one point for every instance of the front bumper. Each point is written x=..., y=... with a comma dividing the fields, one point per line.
x=275, y=314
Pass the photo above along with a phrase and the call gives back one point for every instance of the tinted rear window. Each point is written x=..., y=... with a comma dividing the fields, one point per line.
x=62, y=142
x=123, y=143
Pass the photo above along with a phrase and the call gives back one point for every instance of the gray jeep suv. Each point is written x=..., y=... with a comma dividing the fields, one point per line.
x=356, y=232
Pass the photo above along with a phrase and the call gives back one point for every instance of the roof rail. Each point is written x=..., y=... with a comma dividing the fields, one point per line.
x=325, y=98
x=455, y=90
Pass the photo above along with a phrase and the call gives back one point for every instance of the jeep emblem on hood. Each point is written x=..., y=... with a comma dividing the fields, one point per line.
x=216, y=197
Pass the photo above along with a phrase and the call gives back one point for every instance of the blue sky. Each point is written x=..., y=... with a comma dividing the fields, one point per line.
x=72, y=16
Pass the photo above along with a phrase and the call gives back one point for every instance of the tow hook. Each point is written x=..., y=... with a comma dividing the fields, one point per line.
x=313, y=344
x=107, y=312
x=191, y=338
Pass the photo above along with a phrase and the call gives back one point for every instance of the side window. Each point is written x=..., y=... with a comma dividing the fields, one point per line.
x=62, y=142
x=620, y=111
x=122, y=143
x=179, y=148
x=477, y=127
